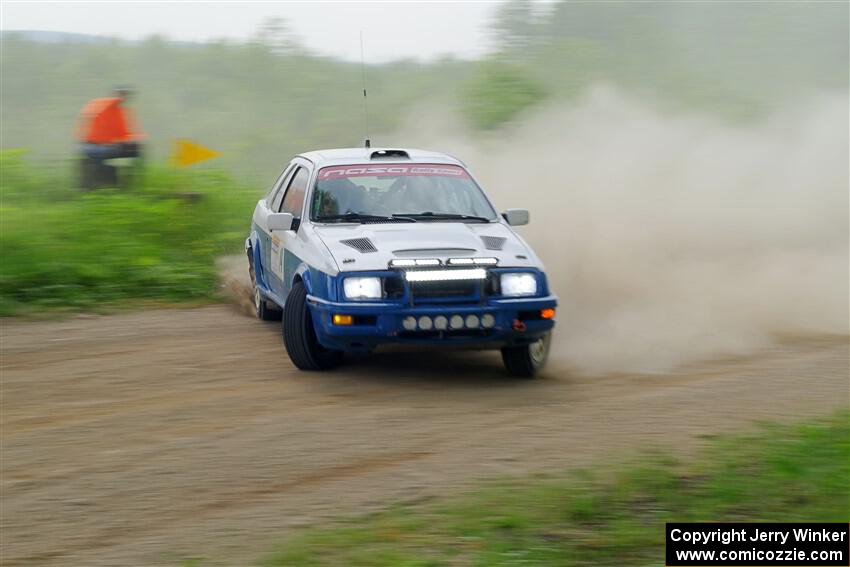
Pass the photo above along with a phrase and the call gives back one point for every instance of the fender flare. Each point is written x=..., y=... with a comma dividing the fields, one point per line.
x=302, y=273
x=252, y=247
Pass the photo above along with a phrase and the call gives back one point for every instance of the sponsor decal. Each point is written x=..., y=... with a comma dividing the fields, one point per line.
x=413, y=170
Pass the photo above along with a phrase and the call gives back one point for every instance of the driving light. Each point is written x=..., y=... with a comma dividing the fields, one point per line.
x=362, y=288
x=409, y=323
x=472, y=261
x=441, y=323
x=343, y=319
x=487, y=321
x=425, y=323
x=517, y=284
x=446, y=275
x=456, y=322
x=416, y=262
x=428, y=262
x=472, y=321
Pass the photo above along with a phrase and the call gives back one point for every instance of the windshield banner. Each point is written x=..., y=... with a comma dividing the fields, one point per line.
x=416, y=170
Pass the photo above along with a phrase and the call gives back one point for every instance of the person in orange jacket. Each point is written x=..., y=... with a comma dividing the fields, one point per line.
x=107, y=130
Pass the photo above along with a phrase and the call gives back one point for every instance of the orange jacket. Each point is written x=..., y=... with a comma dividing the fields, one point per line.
x=105, y=121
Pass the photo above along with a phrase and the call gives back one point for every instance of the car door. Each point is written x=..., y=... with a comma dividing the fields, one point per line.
x=270, y=203
x=285, y=246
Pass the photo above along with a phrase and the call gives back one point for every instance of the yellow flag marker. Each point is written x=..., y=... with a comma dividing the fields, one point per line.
x=187, y=152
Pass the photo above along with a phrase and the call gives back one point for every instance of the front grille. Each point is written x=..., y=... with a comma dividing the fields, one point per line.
x=440, y=292
x=452, y=291
x=362, y=245
x=443, y=289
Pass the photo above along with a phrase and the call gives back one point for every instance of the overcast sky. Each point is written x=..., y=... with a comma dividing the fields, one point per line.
x=392, y=30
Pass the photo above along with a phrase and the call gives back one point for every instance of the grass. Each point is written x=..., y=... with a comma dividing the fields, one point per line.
x=780, y=473
x=157, y=242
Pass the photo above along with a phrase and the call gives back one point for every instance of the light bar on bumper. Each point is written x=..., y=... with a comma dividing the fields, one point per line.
x=446, y=275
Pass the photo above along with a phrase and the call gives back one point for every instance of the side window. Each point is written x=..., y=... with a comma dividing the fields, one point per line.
x=293, y=201
x=274, y=204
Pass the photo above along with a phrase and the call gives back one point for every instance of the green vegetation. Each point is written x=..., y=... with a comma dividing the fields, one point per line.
x=63, y=249
x=782, y=473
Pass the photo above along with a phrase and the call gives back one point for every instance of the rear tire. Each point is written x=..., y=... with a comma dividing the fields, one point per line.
x=299, y=335
x=527, y=360
x=264, y=311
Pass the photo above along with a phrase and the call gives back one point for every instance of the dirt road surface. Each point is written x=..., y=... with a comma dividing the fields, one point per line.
x=147, y=438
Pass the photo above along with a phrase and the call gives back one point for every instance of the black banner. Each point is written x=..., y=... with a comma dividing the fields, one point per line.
x=758, y=544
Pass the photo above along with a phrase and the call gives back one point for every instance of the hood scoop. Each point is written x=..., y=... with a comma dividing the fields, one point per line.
x=493, y=242
x=362, y=245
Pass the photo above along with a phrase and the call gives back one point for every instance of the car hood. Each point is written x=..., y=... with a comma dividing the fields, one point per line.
x=372, y=246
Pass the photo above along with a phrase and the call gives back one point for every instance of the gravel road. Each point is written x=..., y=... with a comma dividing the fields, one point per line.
x=147, y=438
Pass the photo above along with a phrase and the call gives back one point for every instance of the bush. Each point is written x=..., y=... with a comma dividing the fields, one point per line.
x=70, y=250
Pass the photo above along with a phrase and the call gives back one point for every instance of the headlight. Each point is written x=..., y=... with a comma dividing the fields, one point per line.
x=519, y=284
x=362, y=288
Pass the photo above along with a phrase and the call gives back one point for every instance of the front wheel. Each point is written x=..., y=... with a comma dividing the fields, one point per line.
x=527, y=360
x=299, y=335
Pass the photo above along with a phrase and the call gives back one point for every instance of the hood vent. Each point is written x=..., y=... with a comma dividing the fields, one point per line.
x=362, y=245
x=389, y=154
x=493, y=242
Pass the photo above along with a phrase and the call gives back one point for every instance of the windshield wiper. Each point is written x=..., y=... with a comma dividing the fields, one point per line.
x=353, y=217
x=430, y=215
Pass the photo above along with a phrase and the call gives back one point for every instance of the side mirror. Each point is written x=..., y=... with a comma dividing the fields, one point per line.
x=279, y=221
x=516, y=217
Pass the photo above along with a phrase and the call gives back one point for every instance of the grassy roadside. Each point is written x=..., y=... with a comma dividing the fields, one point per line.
x=155, y=243
x=780, y=473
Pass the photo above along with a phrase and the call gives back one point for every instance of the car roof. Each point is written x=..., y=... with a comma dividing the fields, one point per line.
x=347, y=156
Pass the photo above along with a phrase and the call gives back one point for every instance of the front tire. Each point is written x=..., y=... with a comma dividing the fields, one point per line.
x=299, y=335
x=527, y=360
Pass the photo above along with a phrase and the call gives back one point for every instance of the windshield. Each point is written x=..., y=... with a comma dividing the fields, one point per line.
x=415, y=192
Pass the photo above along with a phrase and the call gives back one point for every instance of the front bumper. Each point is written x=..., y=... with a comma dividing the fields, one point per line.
x=381, y=323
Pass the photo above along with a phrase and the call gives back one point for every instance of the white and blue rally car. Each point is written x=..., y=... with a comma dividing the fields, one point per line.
x=359, y=247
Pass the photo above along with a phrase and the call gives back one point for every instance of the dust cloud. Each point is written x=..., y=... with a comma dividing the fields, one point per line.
x=235, y=282
x=672, y=238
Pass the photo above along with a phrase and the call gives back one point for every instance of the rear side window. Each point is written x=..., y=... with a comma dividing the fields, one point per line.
x=293, y=201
